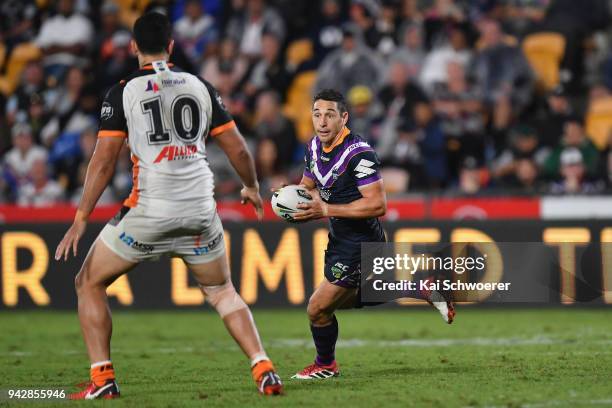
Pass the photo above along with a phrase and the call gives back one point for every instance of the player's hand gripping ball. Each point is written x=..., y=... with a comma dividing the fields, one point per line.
x=286, y=200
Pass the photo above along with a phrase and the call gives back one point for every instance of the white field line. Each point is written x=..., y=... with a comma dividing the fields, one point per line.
x=557, y=403
x=349, y=343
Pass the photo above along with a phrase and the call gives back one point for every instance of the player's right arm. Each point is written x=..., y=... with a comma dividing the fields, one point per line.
x=226, y=133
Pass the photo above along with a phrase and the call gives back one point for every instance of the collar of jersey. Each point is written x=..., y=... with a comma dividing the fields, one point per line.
x=343, y=134
x=150, y=66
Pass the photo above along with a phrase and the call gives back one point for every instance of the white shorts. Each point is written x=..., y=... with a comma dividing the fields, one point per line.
x=137, y=237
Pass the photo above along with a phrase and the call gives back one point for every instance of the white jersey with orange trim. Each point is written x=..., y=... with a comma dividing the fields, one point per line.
x=166, y=115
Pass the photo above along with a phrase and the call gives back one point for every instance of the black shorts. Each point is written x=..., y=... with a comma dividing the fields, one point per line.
x=343, y=263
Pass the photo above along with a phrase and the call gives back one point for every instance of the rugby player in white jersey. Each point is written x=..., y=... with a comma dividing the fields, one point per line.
x=164, y=115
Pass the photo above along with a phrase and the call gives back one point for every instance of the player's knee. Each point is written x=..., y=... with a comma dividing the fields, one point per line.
x=223, y=298
x=78, y=282
x=317, y=313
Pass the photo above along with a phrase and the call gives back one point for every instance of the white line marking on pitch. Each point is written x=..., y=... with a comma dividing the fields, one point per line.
x=554, y=403
x=348, y=343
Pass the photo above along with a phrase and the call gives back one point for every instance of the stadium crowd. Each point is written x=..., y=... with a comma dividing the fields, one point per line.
x=457, y=97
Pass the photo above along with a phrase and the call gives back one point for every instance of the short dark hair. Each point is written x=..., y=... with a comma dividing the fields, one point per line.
x=333, y=96
x=152, y=33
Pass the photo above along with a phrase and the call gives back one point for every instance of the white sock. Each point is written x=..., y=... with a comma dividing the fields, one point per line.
x=100, y=363
x=259, y=357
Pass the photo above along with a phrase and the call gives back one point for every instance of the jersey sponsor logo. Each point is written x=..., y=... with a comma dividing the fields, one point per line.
x=171, y=153
x=106, y=112
x=206, y=248
x=364, y=168
x=338, y=269
x=152, y=86
x=325, y=193
x=173, y=82
x=220, y=100
x=139, y=246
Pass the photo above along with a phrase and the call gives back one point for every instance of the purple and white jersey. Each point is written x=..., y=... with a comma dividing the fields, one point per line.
x=339, y=172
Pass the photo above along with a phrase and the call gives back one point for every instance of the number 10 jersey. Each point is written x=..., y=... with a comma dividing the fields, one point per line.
x=166, y=114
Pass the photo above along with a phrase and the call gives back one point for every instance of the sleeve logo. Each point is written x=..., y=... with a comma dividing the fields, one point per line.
x=364, y=168
x=218, y=98
x=106, y=112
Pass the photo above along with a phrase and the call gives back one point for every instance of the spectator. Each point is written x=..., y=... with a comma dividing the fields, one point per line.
x=110, y=24
x=458, y=105
x=247, y=29
x=18, y=19
x=399, y=92
x=405, y=161
x=386, y=29
x=473, y=178
x=441, y=15
x=435, y=67
x=523, y=144
x=18, y=161
x=524, y=177
x=502, y=72
x=410, y=51
x=272, y=125
x=605, y=164
x=32, y=83
x=269, y=169
x=573, y=175
x=61, y=50
x=362, y=13
x=327, y=34
x=348, y=66
x=64, y=103
x=196, y=32
x=552, y=118
x=399, y=98
x=269, y=71
x=118, y=64
x=37, y=116
x=41, y=191
x=227, y=69
x=363, y=112
x=573, y=136
x=433, y=146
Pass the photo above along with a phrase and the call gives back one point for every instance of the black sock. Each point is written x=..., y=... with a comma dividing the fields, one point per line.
x=325, y=341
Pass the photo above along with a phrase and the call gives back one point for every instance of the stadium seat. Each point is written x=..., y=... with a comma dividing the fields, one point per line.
x=21, y=55
x=130, y=10
x=298, y=106
x=299, y=51
x=544, y=51
x=599, y=121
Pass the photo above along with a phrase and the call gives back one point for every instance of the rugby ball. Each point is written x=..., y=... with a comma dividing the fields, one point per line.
x=286, y=200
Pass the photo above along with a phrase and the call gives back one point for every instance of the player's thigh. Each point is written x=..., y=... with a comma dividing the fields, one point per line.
x=212, y=273
x=329, y=297
x=204, y=253
x=136, y=237
x=101, y=266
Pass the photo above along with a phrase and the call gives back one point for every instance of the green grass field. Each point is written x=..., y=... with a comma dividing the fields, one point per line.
x=409, y=357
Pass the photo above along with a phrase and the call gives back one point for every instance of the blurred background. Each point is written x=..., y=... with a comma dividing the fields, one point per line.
x=459, y=98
